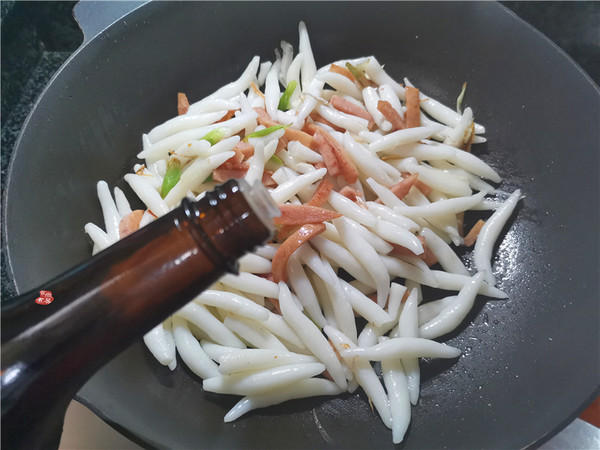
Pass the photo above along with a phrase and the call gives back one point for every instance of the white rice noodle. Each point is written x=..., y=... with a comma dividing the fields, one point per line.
x=343, y=258
x=252, y=333
x=311, y=336
x=257, y=359
x=309, y=103
x=301, y=152
x=449, y=261
x=229, y=90
x=293, y=74
x=402, y=269
x=484, y=246
x=309, y=67
x=454, y=282
x=342, y=308
x=309, y=387
x=364, y=306
x=193, y=175
x=431, y=309
x=233, y=303
x=380, y=245
x=398, y=235
x=462, y=131
x=216, y=351
x=452, y=316
x=191, y=352
x=397, y=292
x=252, y=263
x=387, y=213
x=441, y=180
x=408, y=326
x=98, y=236
x=403, y=137
x=280, y=328
x=161, y=343
x=272, y=93
x=371, y=99
x=364, y=373
x=368, y=163
x=349, y=122
x=301, y=284
x=262, y=381
x=112, y=218
x=247, y=282
x=376, y=73
x=267, y=251
x=349, y=209
x=364, y=252
x=190, y=121
x=284, y=191
x=121, y=202
x=398, y=394
x=257, y=164
x=209, y=324
x=436, y=209
x=404, y=347
x=340, y=83
x=147, y=194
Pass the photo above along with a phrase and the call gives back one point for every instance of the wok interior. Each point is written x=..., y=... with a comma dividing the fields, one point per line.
x=88, y=127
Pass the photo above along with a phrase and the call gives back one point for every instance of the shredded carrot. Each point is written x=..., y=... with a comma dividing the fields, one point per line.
x=264, y=118
x=290, y=245
x=346, y=166
x=402, y=188
x=227, y=116
x=342, y=71
x=130, y=223
x=346, y=106
x=182, y=103
x=302, y=214
x=427, y=256
x=321, y=194
x=424, y=188
x=320, y=119
x=285, y=232
x=412, y=116
x=391, y=115
x=256, y=89
x=471, y=237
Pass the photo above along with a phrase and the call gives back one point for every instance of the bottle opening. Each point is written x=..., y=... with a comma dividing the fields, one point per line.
x=261, y=202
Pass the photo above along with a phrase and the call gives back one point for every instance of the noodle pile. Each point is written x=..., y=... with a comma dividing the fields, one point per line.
x=372, y=178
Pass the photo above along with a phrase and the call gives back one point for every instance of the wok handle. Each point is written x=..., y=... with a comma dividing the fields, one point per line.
x=94, y=17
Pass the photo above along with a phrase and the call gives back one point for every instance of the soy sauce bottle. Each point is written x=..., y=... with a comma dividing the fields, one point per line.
x=56, y=336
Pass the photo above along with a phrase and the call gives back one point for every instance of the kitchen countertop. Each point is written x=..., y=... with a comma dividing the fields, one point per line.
x=37, y=37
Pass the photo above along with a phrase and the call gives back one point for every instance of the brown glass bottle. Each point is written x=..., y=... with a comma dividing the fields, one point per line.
x=103, y=305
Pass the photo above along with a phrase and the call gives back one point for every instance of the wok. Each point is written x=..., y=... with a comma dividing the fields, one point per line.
x=529, y=363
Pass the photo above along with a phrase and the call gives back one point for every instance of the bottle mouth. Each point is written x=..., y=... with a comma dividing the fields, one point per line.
x=261, y=202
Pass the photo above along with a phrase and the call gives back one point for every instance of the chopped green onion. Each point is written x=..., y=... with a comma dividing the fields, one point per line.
x=358, y=72
x=284, y=101
x=171, y=176
x=265, y=132
x=209, y=179
x=215, y=135
x=276, y=160
x=460, y=98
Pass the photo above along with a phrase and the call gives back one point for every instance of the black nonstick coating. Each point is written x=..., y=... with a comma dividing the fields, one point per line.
x=529, y=363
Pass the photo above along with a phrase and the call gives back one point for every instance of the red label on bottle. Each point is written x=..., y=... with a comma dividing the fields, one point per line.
x=45, y=298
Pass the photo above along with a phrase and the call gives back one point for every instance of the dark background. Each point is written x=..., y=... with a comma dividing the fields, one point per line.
x=38, y=37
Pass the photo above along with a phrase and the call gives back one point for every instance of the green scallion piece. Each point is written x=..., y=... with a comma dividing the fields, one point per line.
x=460, y=98
x=284, y=101
x=265, y=132
x=358, y=72
x=215, y=135
x=276, y=160
x=171, y=177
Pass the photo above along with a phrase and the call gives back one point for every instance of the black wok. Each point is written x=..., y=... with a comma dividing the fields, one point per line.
x=529, y=363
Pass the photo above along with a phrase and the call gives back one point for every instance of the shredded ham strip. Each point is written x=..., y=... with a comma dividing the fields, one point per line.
x=130, y=223
x=471, y=237
x=227, y=116
x=245, y=148
x=391, y=115
x=345, y=166
x=346, y=106
x=354, y=195
x=303, y=214
x=290, y=245
x=182, y=103
x=402, y=188
x=412, y=116
x=321, y=194
x=257, y=90
x=342, y=71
